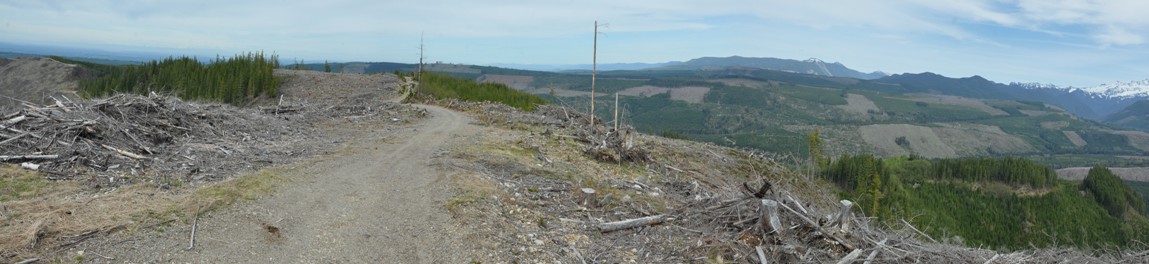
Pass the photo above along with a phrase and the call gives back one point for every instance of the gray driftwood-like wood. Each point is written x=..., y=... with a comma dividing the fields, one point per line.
x=588, y=198
x=850, y=258
x=844, y=216
x=28, y=157
x=632, y=223
x=768, y=219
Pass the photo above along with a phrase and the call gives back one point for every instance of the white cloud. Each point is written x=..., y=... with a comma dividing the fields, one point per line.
x=1112, y=35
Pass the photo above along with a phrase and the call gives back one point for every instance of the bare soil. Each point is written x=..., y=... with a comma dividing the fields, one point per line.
x=380, y=200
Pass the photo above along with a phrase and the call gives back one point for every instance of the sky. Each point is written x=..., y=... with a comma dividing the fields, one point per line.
x=1065, y=42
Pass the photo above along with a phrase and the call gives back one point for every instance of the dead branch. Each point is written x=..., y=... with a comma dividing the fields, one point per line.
x=918, y=231
x=819, y=228
x=851, y=257
x=632, y=223
x=124, y=152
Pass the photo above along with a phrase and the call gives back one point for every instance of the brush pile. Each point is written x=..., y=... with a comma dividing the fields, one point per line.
x=604, y=143
x=767, y=226
x=129, y=138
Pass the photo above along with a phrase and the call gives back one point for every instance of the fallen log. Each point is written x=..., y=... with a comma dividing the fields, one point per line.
x=632, y=223
x=14, y=138
x=28, y=157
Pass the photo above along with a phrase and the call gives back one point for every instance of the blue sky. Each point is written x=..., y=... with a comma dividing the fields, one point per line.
x=1065, y=42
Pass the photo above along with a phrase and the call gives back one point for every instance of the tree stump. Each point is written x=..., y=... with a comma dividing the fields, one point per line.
x=587, y=198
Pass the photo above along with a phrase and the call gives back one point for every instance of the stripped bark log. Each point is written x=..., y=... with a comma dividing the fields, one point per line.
x=29, y=157
x=632, y=223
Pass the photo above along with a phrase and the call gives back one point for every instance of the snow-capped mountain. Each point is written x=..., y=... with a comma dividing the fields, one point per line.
x=1121, y=90
x=1117, y=90
x=1034, y=85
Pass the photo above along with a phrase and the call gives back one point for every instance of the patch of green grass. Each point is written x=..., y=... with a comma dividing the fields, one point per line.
x=442, y=86
x=17, y=183
x=247, y=187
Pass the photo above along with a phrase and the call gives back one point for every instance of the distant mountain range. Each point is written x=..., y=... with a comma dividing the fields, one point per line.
x=810, y=66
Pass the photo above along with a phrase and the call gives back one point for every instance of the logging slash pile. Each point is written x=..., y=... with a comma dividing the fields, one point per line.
x=604, y=143
x=126, y=139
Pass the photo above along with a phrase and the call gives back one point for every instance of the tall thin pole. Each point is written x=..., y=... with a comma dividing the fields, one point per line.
x=593, y=71
x=419, y=75
x=616, y=111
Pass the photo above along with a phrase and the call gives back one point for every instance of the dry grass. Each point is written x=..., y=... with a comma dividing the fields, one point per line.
x=923, y=141
x=976, y=140
x=859, y=104
x=38, y=217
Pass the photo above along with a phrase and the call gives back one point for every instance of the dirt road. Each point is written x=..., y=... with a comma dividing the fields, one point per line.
x=381, y=201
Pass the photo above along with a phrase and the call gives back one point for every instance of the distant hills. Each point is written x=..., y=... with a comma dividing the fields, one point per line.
x=810, y=66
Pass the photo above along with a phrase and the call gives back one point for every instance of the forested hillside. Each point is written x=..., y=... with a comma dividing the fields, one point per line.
x=998, y=203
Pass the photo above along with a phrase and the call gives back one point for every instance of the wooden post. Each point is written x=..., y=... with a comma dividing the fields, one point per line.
x=844, y=216
x=769, y=216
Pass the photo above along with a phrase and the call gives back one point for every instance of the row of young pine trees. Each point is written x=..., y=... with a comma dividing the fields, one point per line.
x=234, y=80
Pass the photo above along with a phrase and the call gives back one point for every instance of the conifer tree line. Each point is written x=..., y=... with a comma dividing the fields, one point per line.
x=1004, y=203
x=235, y=80
x=1112, y=193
